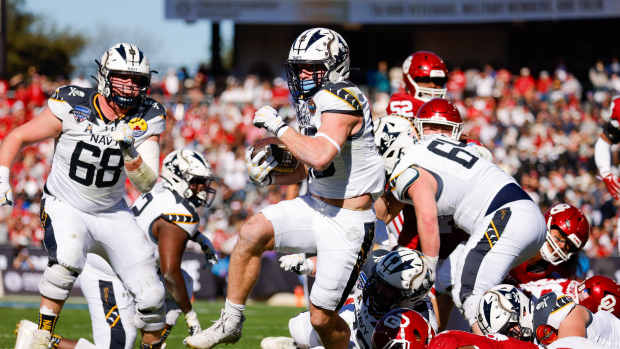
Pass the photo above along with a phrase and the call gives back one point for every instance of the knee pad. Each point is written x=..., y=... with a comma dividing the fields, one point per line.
x=57, y=282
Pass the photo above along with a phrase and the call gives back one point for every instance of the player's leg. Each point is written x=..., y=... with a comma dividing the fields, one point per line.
x=110, y=306
x=131, y=256
x=285, y=226
x=514, y=233
x=344, y=239
x=66, y=239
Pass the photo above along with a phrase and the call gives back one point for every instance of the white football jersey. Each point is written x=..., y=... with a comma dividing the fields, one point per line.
x=164, y=203
x=87, y=167
x=358, y=168
x=466, y=184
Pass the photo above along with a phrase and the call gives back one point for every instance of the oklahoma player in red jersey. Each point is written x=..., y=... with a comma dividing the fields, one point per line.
x=466, y=340
x=425, y=76
x=568, y=231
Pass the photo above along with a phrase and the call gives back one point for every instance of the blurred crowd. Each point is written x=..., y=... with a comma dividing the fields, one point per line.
x=540, y=128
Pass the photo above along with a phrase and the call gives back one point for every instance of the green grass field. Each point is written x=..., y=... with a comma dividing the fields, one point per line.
x=261, y=321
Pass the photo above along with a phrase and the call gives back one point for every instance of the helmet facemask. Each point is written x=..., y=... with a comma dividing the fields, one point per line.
x=381, y=296
x=305, y=89
x=456, y=128
x=551, y=250
x=427, y=93
x=203, y=197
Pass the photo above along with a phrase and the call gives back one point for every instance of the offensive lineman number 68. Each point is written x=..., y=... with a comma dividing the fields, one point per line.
x=89, y=171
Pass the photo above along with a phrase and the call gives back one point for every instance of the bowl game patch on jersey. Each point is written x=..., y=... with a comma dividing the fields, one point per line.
x=138, y=126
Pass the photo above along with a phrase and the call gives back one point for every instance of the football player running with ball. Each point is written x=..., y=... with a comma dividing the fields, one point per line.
x=335, y=219
x=103, y=136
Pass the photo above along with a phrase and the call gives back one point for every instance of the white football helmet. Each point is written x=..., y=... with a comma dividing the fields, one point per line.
x=387, y=131
x=123, y=59
x=323, y=48
x=506, y=310
x=399, y=276
x=183, y=168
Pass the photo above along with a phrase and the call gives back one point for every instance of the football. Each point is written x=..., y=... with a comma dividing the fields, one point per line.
x=287, y=162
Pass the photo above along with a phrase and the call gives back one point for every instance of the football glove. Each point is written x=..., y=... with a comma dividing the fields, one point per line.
x=259, y=171
x=297, y=263
x=193, y=325
x=207, y=248
x=123, y=135
x=611, y=182
x=431, y=264
x=266, y=117
x=6, y=195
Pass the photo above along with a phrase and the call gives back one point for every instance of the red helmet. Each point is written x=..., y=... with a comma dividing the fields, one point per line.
x=573, y=226
x=439, y=112
x=425, y=66
x=600, y=293
x=402, y=328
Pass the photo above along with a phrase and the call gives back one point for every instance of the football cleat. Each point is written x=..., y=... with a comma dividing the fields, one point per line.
x=226, y=329
x=40, y=339
x=25, y=332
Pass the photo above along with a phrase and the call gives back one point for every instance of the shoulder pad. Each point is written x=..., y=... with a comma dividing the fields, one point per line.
x=550, y=309
x=73, y=95
x=153, y=109
x=612, y=133
x=344, y=91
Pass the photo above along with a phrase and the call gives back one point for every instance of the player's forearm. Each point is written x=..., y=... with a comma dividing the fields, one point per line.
x=602, y=156
x=316, y=152
x=10, y=147
x=387, y=208
x=176, y=286
x=142, y=164
x=429, y=236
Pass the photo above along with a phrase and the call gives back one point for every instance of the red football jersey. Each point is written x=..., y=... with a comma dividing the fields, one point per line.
x=457, y=339
x=541, y=269
x=404, y=104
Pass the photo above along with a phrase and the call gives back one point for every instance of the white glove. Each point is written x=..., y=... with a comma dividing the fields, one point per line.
x=123, y=135
x=259, y=172
x=431, y=264
x=297, y=263
x=6, y=194
x=193, y=325
x=267, y=117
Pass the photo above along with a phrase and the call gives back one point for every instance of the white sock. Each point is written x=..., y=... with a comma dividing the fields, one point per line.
x=47, y=311
x=232, y=308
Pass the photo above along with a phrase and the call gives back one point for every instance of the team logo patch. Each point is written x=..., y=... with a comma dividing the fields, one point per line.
x=80, y=113
x=138, y=126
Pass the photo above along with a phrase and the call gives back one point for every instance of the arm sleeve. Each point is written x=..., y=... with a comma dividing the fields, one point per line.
x=149, y=151
x=602, y=156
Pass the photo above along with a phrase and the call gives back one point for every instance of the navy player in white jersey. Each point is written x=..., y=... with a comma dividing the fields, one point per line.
x=506, y=310
x=335, y=219
x=169, y=218
x=389, y=280
x=103, y=136
x=439, y=176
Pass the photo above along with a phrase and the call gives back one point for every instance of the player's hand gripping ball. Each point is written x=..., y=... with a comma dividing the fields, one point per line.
x=287, y=162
